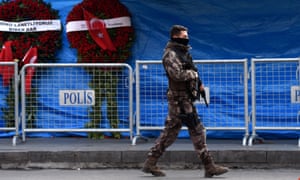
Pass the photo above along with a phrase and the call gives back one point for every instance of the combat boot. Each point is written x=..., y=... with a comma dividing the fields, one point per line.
x=211, y=169
x=150, y=167
x=214, y=170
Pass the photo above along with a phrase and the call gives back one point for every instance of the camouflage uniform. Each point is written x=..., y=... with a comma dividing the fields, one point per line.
x=181, y=111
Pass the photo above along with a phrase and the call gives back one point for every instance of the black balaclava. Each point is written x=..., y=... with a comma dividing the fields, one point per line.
x=182, y=41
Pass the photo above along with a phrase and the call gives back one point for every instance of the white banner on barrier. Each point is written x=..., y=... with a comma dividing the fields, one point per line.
x=295, y=94
x=76, y=97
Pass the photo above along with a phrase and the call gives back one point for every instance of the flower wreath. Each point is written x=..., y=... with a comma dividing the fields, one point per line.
x=47, y=42
x=16, y=14
x=88, y=50
x=114, y=47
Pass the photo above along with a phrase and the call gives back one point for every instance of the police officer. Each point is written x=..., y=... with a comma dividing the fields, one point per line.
x=181, y=72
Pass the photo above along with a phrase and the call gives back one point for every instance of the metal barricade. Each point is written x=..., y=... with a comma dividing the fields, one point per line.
x=77, y=98
x=9, y=119
x=226, y=83
x=275, y=95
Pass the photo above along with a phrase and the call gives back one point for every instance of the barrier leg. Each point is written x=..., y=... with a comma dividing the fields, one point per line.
x=16, y=139
x=245, y=140
x=255, y=138
x=134, y=140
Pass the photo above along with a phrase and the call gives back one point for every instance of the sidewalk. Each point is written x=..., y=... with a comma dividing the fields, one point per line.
x=73, y=153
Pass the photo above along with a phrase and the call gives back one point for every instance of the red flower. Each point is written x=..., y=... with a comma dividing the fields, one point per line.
x=122, y=37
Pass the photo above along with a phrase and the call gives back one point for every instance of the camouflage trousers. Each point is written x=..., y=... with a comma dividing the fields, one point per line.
x=181, y=110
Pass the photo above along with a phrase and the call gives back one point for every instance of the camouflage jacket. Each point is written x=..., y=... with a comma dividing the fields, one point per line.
x=179, y=66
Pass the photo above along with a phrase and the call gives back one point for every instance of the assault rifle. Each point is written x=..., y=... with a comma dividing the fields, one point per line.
x=190, y=65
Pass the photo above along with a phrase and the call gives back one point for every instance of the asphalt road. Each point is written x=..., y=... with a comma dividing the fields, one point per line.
x=135, y=174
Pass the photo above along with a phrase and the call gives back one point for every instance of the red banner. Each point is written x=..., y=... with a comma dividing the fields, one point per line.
x=7, y=72
x=98, y=31
x=29, y=58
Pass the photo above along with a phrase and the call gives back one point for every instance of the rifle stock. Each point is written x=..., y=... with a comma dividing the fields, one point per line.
x=203, y=95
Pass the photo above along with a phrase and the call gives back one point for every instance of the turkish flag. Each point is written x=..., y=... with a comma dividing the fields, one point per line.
x=29, y=58
x=98, y=31
x=7, y=72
